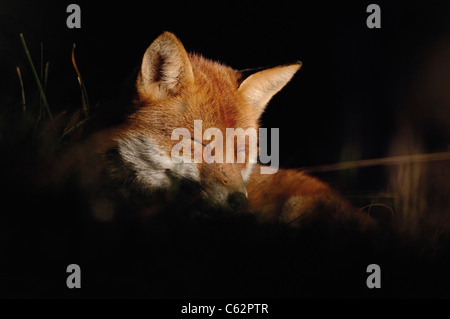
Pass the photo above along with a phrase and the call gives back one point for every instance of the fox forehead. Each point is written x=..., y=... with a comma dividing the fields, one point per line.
x=215, y=89
x=212, y=98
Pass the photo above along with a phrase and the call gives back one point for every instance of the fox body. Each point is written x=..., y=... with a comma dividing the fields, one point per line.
x=173, y=90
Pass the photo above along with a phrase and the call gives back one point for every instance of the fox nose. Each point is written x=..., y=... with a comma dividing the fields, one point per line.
x=238, y=201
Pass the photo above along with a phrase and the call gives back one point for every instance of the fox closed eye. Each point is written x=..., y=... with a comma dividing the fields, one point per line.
x=243, y=150
x=197, y=141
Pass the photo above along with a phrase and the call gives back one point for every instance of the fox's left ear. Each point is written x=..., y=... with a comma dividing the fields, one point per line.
x=260, y=87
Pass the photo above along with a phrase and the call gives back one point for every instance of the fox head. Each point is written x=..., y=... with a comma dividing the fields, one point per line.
x=175, y=90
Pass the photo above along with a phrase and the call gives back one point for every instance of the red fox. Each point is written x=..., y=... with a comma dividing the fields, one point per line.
x=173, y=90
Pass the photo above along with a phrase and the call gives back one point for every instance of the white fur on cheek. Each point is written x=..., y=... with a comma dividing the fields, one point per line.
x=247, y=171
x=151, y=163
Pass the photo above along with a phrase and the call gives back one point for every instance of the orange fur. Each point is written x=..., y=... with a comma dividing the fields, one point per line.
x=293, y=197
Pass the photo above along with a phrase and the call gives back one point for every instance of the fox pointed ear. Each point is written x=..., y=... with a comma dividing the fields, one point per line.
x=165, y=67
x=260, y=87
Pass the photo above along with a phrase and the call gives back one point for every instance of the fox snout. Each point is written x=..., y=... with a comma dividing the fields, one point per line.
x=237, y=201
x=224, y=187
x=223, y=198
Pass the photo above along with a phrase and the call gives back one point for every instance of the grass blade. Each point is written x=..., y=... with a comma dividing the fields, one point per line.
x=24, y=104
x=36, y=77
x=47, y=65
x=384, y=161
x=41, y=76
x=66, y=132
x=84, y=98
